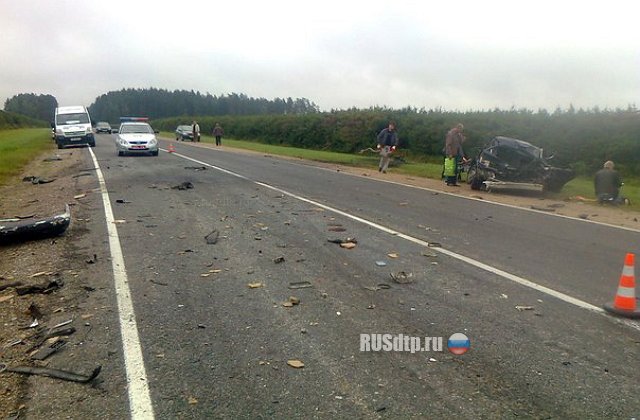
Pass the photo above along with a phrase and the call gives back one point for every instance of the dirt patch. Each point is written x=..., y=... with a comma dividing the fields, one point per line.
x=54, y=262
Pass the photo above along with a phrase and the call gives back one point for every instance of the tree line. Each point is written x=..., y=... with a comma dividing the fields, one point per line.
x=581, y=139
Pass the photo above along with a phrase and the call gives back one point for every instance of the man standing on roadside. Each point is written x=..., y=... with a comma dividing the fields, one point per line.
x=452, y=154
x=195, y=129
x=387, y=143
x=218, y=132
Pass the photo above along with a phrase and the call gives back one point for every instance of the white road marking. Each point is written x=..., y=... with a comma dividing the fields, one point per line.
x=137, y=384
x=475, y=263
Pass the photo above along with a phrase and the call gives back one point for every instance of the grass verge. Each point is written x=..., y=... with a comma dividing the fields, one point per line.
x=18, y=147
x=419, y=167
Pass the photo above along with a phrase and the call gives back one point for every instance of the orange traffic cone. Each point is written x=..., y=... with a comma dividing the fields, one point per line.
x=624, y=303
x=171, y=148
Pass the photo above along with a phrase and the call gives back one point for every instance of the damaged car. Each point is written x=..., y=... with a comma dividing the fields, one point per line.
x=514, y=164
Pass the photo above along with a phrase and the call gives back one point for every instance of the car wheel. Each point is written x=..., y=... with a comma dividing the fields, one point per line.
x=471, y=175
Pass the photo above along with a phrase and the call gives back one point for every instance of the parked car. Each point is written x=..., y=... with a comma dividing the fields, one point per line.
x=72, y=127
x=136, y=137
x=516, y=165
x=184, y=132
x=103, y=127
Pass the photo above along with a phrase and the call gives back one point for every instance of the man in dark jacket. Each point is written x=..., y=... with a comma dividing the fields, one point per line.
x=607, y=183
x=387, y=143
x=454, y=153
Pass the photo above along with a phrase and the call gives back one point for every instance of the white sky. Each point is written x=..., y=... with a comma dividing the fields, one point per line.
x=455, y=55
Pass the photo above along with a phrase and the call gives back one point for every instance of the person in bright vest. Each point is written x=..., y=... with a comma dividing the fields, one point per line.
x=453, y=154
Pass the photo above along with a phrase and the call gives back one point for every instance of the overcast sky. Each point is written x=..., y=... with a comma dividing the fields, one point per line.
x=455, y=55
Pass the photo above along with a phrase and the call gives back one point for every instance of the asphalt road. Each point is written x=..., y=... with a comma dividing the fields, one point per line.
x=213, y=347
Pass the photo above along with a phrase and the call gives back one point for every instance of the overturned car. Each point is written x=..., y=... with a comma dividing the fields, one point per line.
x=514, y=164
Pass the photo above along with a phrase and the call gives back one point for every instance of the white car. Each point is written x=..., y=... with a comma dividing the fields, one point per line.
x=136, y=137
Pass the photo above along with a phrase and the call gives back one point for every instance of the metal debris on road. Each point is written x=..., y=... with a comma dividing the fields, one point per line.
x=255, y=285
x=402, y=277
x=278, y=260
x=92, y=260
x=300, y=285
x=392, y=255
x=295, y=363
x=52, y=373
x=524, y=308
x=122, y=201
x=381, y=263
x=196, y=168
x=44, y=288
x=212, y=238
x=183, y=186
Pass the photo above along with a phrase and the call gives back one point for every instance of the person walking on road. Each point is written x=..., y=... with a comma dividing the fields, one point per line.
x=195, y=129
x=218, y=132
x=453, y=153
x=387, y=144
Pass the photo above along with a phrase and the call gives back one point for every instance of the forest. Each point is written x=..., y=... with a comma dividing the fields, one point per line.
x=580, y=139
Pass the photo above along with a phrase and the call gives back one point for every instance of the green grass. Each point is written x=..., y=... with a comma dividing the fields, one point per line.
x=19, y=147
x=425, y=167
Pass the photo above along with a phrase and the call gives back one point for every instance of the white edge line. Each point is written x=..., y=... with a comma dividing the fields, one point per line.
x=512, y=277
x=140, y=404
x=511, y=206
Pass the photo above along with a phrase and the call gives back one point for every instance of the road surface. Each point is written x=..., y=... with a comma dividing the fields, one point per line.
x=197, y=342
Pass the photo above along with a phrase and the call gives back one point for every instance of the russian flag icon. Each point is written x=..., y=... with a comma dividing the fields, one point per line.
x=458, y=343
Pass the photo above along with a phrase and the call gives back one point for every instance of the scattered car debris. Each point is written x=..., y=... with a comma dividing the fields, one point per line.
x=381, y=263
x=300, y=285
x=343, y=241
x=524, y=308
x=37, y=180
x=337, y=229
x=92, y=260
x=429, y=254
x=294, y=363
x=16, y=230
x=184, y=186
x=255, y=285
x=79, y=196
x=380, y=286
x=212, y=237
x=402, y=277
x=434, y=244
x=52, y=158
x=348, y=245
x=278, y=260
x=8, y=285
x=44, y=288
x=55, y=346
x=392, y=255
x=52, y=373
x=122, y=201
x=196, y=168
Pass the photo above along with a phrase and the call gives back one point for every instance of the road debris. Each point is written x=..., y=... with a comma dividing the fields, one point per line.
x=381, y=263
x=92, y=260
x=37, y=180
x=255, y=285
x=55, y=345
x=300, y=285
x=15, y=230
x=52, y=373
x=348, y=245
x=295, y=363
x=434, y=244
x=379, y=286
x=278, y=260
x=212, y=237
x=122, y=201
x=44, y=288
x=79, y=196
x=524, y=308
x=183, y=186
x=196, y=168
x=402, y=277
x=392, y=255
x=52, y=158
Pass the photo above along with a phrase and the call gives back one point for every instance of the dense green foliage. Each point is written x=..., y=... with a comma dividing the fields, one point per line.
x=10, y=120
x=39, y=107
x=582, y=140
x=161, y=103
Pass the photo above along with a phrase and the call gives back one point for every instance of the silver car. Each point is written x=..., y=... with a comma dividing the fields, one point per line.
x=136, y=137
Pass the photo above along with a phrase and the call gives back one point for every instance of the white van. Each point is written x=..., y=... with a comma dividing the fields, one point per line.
x=72, y=126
